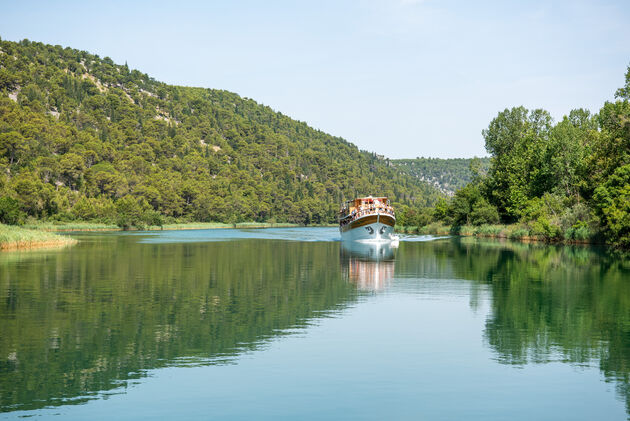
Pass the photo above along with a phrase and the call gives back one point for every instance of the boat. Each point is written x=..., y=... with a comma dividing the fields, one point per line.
x=367, y=219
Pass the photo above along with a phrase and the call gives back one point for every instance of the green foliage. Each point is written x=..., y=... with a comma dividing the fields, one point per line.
x=624, y=93
x=484, y=213
x=10, y=213
x=518, y=234
x=467, y=207
x=578, y=232
x=79, y=133
x=516, y=138
x=407, y=216
x=612, y=203
x=489, y=230
x=133, y=212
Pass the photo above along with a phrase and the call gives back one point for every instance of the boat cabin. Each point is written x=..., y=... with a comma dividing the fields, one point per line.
x=364, y=203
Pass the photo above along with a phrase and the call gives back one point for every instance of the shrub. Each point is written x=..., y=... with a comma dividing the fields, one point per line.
x=129, y=213
x=518, y=234
x=578, y=232
x=544, y=228
x=441, y=212
x=484, y=213
x=464, y=230
x=424, y=217
x=575, y=214
x=153, y=218
x=10, y=212
x=612, y=204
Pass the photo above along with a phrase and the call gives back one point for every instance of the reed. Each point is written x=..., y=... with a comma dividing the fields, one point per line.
x=13, y=237
x=435, y=228
x=491, y=231
x=70, y=226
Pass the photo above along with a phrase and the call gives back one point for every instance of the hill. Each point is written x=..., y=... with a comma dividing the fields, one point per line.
x=84, y=138
x=447, y=175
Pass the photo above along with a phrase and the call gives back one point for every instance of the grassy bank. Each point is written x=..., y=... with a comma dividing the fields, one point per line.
x=13, y=238
x=70, y=226
x=517, y=232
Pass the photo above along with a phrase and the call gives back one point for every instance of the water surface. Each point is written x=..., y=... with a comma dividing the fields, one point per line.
x=288, y=323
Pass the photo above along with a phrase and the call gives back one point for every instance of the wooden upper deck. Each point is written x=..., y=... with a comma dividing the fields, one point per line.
x=361, y=206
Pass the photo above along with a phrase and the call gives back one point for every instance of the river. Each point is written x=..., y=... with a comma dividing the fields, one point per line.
x=290, y=323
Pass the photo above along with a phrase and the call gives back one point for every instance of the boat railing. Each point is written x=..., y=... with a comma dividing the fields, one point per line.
x=356, y=214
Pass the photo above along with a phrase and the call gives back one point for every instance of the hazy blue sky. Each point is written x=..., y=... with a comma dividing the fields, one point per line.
x=403, y=78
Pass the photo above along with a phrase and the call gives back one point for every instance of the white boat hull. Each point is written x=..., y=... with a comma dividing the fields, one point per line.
x=376, y=231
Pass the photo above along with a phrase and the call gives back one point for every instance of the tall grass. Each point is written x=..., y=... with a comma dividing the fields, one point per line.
x=12, y=237
x=69, y=226
x=522, y=232
x=435, y=228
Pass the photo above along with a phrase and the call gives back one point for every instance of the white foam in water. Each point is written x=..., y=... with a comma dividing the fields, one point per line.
x=419, y=238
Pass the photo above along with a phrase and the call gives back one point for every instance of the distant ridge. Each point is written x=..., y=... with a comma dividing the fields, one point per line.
x=447, y=175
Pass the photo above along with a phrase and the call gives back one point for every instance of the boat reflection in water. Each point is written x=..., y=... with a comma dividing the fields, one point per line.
x=368, y=265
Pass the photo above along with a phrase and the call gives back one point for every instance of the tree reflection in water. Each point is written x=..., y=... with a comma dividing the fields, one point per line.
x=548, y=303
x=78, y=323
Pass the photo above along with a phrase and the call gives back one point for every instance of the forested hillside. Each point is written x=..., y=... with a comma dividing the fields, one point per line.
x=447, y=175
x=84, y=138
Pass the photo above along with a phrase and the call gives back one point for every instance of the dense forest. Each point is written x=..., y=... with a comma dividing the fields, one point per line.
x=82, y=138
x=447, y=175
x=565, y=180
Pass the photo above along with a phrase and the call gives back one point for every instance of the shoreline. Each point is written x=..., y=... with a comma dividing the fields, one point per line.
x=44, y=235
x=89, y=227
x=511, y=232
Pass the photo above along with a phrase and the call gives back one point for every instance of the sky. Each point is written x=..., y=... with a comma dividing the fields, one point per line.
x=402, y=78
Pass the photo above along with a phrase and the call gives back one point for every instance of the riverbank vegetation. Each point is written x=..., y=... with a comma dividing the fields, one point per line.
x=516, y=231
x=13, y=238
x=85, y=139
x=564, y=181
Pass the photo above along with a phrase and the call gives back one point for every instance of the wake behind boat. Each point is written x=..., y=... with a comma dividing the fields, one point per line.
x=367, y=218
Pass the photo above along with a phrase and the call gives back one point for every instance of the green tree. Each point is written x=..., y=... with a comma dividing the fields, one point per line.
x=10, y=212
x=624, y=92
x=129, y=213
x=517, y=139
x=13, y=146
x=612, y=203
